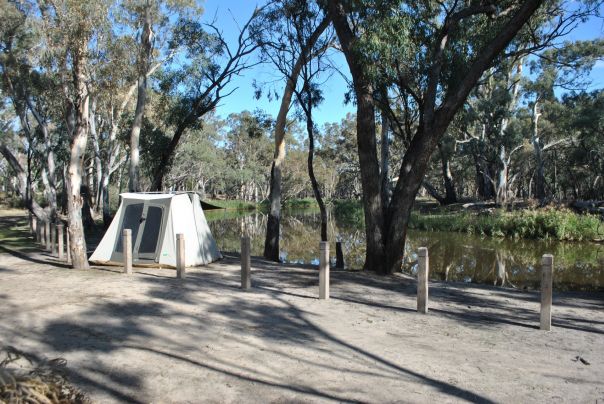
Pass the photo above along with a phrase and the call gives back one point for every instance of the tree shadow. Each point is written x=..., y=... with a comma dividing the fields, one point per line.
x=109, y=327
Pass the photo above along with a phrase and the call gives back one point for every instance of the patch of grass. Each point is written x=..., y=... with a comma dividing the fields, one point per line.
x=348, y=211
x=14, y=230
x=555, y=224
x=293, y=204
x=304, y=203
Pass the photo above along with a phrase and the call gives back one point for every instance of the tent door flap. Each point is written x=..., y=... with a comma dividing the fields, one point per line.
x=149, y=233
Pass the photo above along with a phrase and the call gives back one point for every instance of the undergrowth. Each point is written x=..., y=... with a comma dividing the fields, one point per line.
x=555, y=224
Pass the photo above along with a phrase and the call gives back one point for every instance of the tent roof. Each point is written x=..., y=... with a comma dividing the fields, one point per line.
x=147, y=197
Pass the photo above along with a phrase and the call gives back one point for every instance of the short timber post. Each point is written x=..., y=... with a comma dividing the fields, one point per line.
x=60, y=239
x=180, y=256
x=547, y=267
x=47, y=234
x=339, y=255
x=324, y=270
x=32, y=223
x=127, y=250
x=68, y=245
x=246, y=263
x=53, y=238
x=422, y=280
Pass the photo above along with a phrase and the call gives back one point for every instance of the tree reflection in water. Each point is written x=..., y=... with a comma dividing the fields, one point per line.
x=454, y=257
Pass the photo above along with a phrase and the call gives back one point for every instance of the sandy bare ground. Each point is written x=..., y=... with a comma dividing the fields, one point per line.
x=150, y=337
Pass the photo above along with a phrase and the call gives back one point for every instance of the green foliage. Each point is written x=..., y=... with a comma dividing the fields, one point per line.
x=297, y=204
x=348, y=211
x=555, y=224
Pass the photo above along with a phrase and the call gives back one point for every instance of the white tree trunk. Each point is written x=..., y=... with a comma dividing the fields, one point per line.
x=75, y=202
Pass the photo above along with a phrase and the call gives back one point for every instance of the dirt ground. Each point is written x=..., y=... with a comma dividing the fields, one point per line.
x=150, y=337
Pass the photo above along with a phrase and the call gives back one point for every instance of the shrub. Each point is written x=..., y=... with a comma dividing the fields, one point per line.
x=556, y=224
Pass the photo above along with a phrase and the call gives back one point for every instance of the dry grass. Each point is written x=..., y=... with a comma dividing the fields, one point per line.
x=24, y=378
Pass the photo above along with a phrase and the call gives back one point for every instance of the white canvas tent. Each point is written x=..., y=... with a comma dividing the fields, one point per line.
x=155, y=220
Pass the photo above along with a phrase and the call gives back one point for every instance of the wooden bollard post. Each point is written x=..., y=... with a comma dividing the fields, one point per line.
x=68, y=245
x=47, y=234
x=339, y=255
x=32, y=224
x=547, y=269
x=324, y=270
x=422, y=280
x=180, y=256
x=60, y=240
x=246, y=262
x=127, y=250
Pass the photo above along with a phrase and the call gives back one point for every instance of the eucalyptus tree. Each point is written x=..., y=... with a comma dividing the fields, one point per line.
x=339, y=147
x=31, y=91
x=433, y=53
x=247, y=154
x=201, y=79
x=281, y=47
x=484, y=129
x=151, y=20
x=70, y=26
x=563, y=67
x=581, y=165
x=123, y=68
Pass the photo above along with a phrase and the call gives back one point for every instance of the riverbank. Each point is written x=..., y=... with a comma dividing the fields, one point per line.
x=531, y=223
x=150, y=337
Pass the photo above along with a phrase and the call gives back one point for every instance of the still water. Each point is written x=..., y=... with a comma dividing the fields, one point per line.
x=454, y=257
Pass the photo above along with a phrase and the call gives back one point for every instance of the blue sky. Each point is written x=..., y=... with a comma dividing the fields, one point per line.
x=333, y=108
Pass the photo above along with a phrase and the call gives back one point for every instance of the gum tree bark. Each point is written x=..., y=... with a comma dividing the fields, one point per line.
x=143, y=68
x=366, y=141
x=76, y=159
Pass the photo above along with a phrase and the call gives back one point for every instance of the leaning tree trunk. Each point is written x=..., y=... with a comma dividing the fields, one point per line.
x=412, y=171
x=145, y=56
x=273, y=224
x=77, y=150
x=50, y=179
x=311, y=170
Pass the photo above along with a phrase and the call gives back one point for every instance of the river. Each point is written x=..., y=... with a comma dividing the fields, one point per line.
x=454, y=257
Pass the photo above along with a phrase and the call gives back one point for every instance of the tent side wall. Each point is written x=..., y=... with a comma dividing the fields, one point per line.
x=180, y=222
x=209, y=250
x=103, y=252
